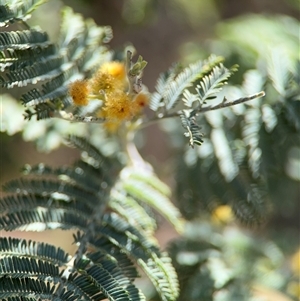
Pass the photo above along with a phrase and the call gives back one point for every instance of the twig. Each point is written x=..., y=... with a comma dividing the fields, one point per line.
x=225, y=103
x=221, y=105
x=76, y=118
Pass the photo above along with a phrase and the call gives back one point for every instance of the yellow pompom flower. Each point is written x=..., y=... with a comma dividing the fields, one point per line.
x=79, y=92
x=115, y=69
x=222, y=214
x=118, y=106
x=102, y=83
x=108, y=78
x=109, y=84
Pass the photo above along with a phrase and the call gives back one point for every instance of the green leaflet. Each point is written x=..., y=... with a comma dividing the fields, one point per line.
x=163, y=276
x=21, y=40
x=29, y=57
x=132, y=211
x=17, y=10
x=188, y=122
x=212, y=83
x=82, y=197
x=172, y=85
x=146, y=191
x=151, y=179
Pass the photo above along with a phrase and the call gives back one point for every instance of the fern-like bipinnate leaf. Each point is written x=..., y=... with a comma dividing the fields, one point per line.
x=208, y=86
x=255, y=139
x=207, y=79
x=19, y=51
x=19, y=247
x=162, y=274
x=17, y=10
x=212, y=83
x=21, y=40
x=29, y=57
x=108, y=278
x=130, y=209
x=188, y=122
x=286, y=83
x=37, y=267
x=163, y=81
x=151, y=192
x=29, y=268
x=170, y=87
x=84, y=197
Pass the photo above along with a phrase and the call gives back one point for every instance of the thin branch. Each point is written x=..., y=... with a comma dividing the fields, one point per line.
x=225, y=103
x=221, y=105
x=76, y=118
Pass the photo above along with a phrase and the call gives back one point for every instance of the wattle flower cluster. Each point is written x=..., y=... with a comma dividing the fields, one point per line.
x=110, y=84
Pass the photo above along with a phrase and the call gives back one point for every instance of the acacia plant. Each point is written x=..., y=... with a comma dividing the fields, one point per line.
x=108, y=196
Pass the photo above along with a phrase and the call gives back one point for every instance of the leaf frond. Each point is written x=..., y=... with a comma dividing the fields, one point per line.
x=90, y=154
x=253, y=208
x=28, y=267
x=58, y=200
x=21, y=40
x=132, y=211
x=189, y=98
x=212, y=83
x=125, y=265
x=125, y=236
x=163, y=276
x=142, y=192
x=17, y=10
x=164, y=79
x=172, y=85
x=110, y=280
x=20, y=247
x=185, y=79
x=188, y=122
x=42, y=219
x=9, y=287
x=54, y=190
x=38, y=71
x=139, y=247
x=78, y=52
x=83, y=175
x=15, y=59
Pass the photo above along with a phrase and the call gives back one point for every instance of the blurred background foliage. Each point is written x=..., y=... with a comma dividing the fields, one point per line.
x=216, y=257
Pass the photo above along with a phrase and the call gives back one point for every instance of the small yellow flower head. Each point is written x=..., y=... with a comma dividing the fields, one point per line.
x=140, y=102
x=222, y=214
x=118, y=106
x=115, y=69
x=102, y=82
x=79, y=92
x=111, y=76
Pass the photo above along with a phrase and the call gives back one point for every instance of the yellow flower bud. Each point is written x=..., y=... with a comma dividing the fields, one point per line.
x=140, y=101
